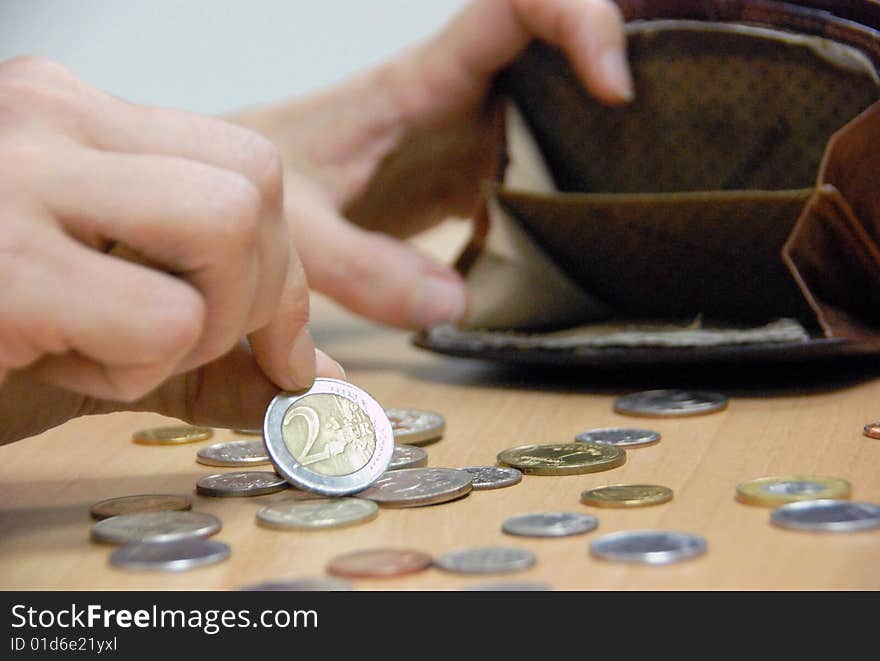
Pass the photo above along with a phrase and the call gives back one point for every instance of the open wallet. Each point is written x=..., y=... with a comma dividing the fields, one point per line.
x=730, y=213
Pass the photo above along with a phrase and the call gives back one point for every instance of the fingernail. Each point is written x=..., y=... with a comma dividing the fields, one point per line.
x=326, y=366
x=615, y=69
x=438, y=300
x=301, y=361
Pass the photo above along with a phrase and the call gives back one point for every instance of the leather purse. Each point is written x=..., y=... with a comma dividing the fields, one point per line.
x=731, y=212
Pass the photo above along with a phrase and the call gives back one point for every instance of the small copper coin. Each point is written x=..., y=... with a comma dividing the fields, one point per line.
x=872, y=429
x=137, y=504
x=379, y=563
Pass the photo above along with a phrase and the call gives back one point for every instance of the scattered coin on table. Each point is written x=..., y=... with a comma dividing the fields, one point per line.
x=379, y=563
x=138, y=503
x=648, y=547
x=827, y=516
x=234, y=453
x=172, y=435
x=333, y=439
x=776, y=491
x=170, y=556
x=317, y=584
x=414, y=426
x=486, y=560
x=549, y=524
x=872, y=430
x=167, y=526
x=241, y=483
x=670, y=403
x=619, y=436
x=416, y=487
x=563, y=458
x=248, y=432
x=484, y=478
x=317, y=514
x=407, y=456
x=627, y=495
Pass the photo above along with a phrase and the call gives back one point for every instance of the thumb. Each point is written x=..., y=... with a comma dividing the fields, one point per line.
x=372, y=274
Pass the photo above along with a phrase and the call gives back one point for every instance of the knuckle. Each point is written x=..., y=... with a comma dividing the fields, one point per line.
x=238, y=210
x=35, y=66
x=180, y=323
x=265, y=168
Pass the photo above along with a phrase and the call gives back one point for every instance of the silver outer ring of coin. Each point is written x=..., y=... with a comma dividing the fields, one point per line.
x=550, y=524
x=217, y=487
x=796, y=516
x=170, y=556
x=493, y=477
x=318, y=584
x=432, y=430
x=486, y=560
x=328, y=485
x=407, y=456
x=458, y=485
x=358, y=510
x=635, y=404
x=134, y=528
x=212, y=455
x=648, y=547
x=622, y=437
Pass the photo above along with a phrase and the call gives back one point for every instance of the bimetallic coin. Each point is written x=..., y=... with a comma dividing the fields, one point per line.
x=827, y=516
x=407, y=456
x=414, y=426
x=550, y=524
x=241, y=483
x=486, y=560
x=493, y=477
x=140, y=503
x=379, y=563
x=332, y=439
x=172, y=435
x=619, y=436
x=317, y=514
x=776, y=491
x=155, y=527
x=563, y=458
x=249, y=432
x=415, y=487
x=319, y=584
x=670, y=403
x=509, y=587
x=648, y=547
x=170, y=556
x=627, y=495
x=234, y=453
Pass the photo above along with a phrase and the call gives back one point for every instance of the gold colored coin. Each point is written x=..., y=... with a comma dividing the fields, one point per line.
x=172, y=435
x=776, y=491
x=627, y=495
x=563, y=458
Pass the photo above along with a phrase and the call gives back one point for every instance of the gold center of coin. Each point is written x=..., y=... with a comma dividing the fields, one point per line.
x=329, y=434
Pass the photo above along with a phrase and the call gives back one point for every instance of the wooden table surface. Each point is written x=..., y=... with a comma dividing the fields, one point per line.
x=779, y=421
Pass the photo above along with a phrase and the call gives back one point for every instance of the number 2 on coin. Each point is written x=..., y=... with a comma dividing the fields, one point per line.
x=313, y=425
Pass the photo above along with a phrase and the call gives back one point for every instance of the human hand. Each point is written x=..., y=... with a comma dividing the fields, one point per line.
x=196, y=206
x=408, y=143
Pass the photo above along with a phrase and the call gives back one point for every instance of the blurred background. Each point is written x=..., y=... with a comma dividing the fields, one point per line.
x=215, y=56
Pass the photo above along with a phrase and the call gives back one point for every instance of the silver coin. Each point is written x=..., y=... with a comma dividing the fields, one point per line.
x=234, y=453
x=313, y=514
x=648, y=547
x=170, y=556
x=550, y=524
x=407, y=456
x=414, y=487
x=486, y=560
x=493, y=477
x=165, y=526
x=670, y=403
x=249, y=432
x=240, y=483
x=332, y=439
x=827, y=515
x=619, y=436
x=509, y=587
x=318, y=584
x=414, y=426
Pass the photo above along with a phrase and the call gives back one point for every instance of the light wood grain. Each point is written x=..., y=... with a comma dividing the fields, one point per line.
x=779, y=421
